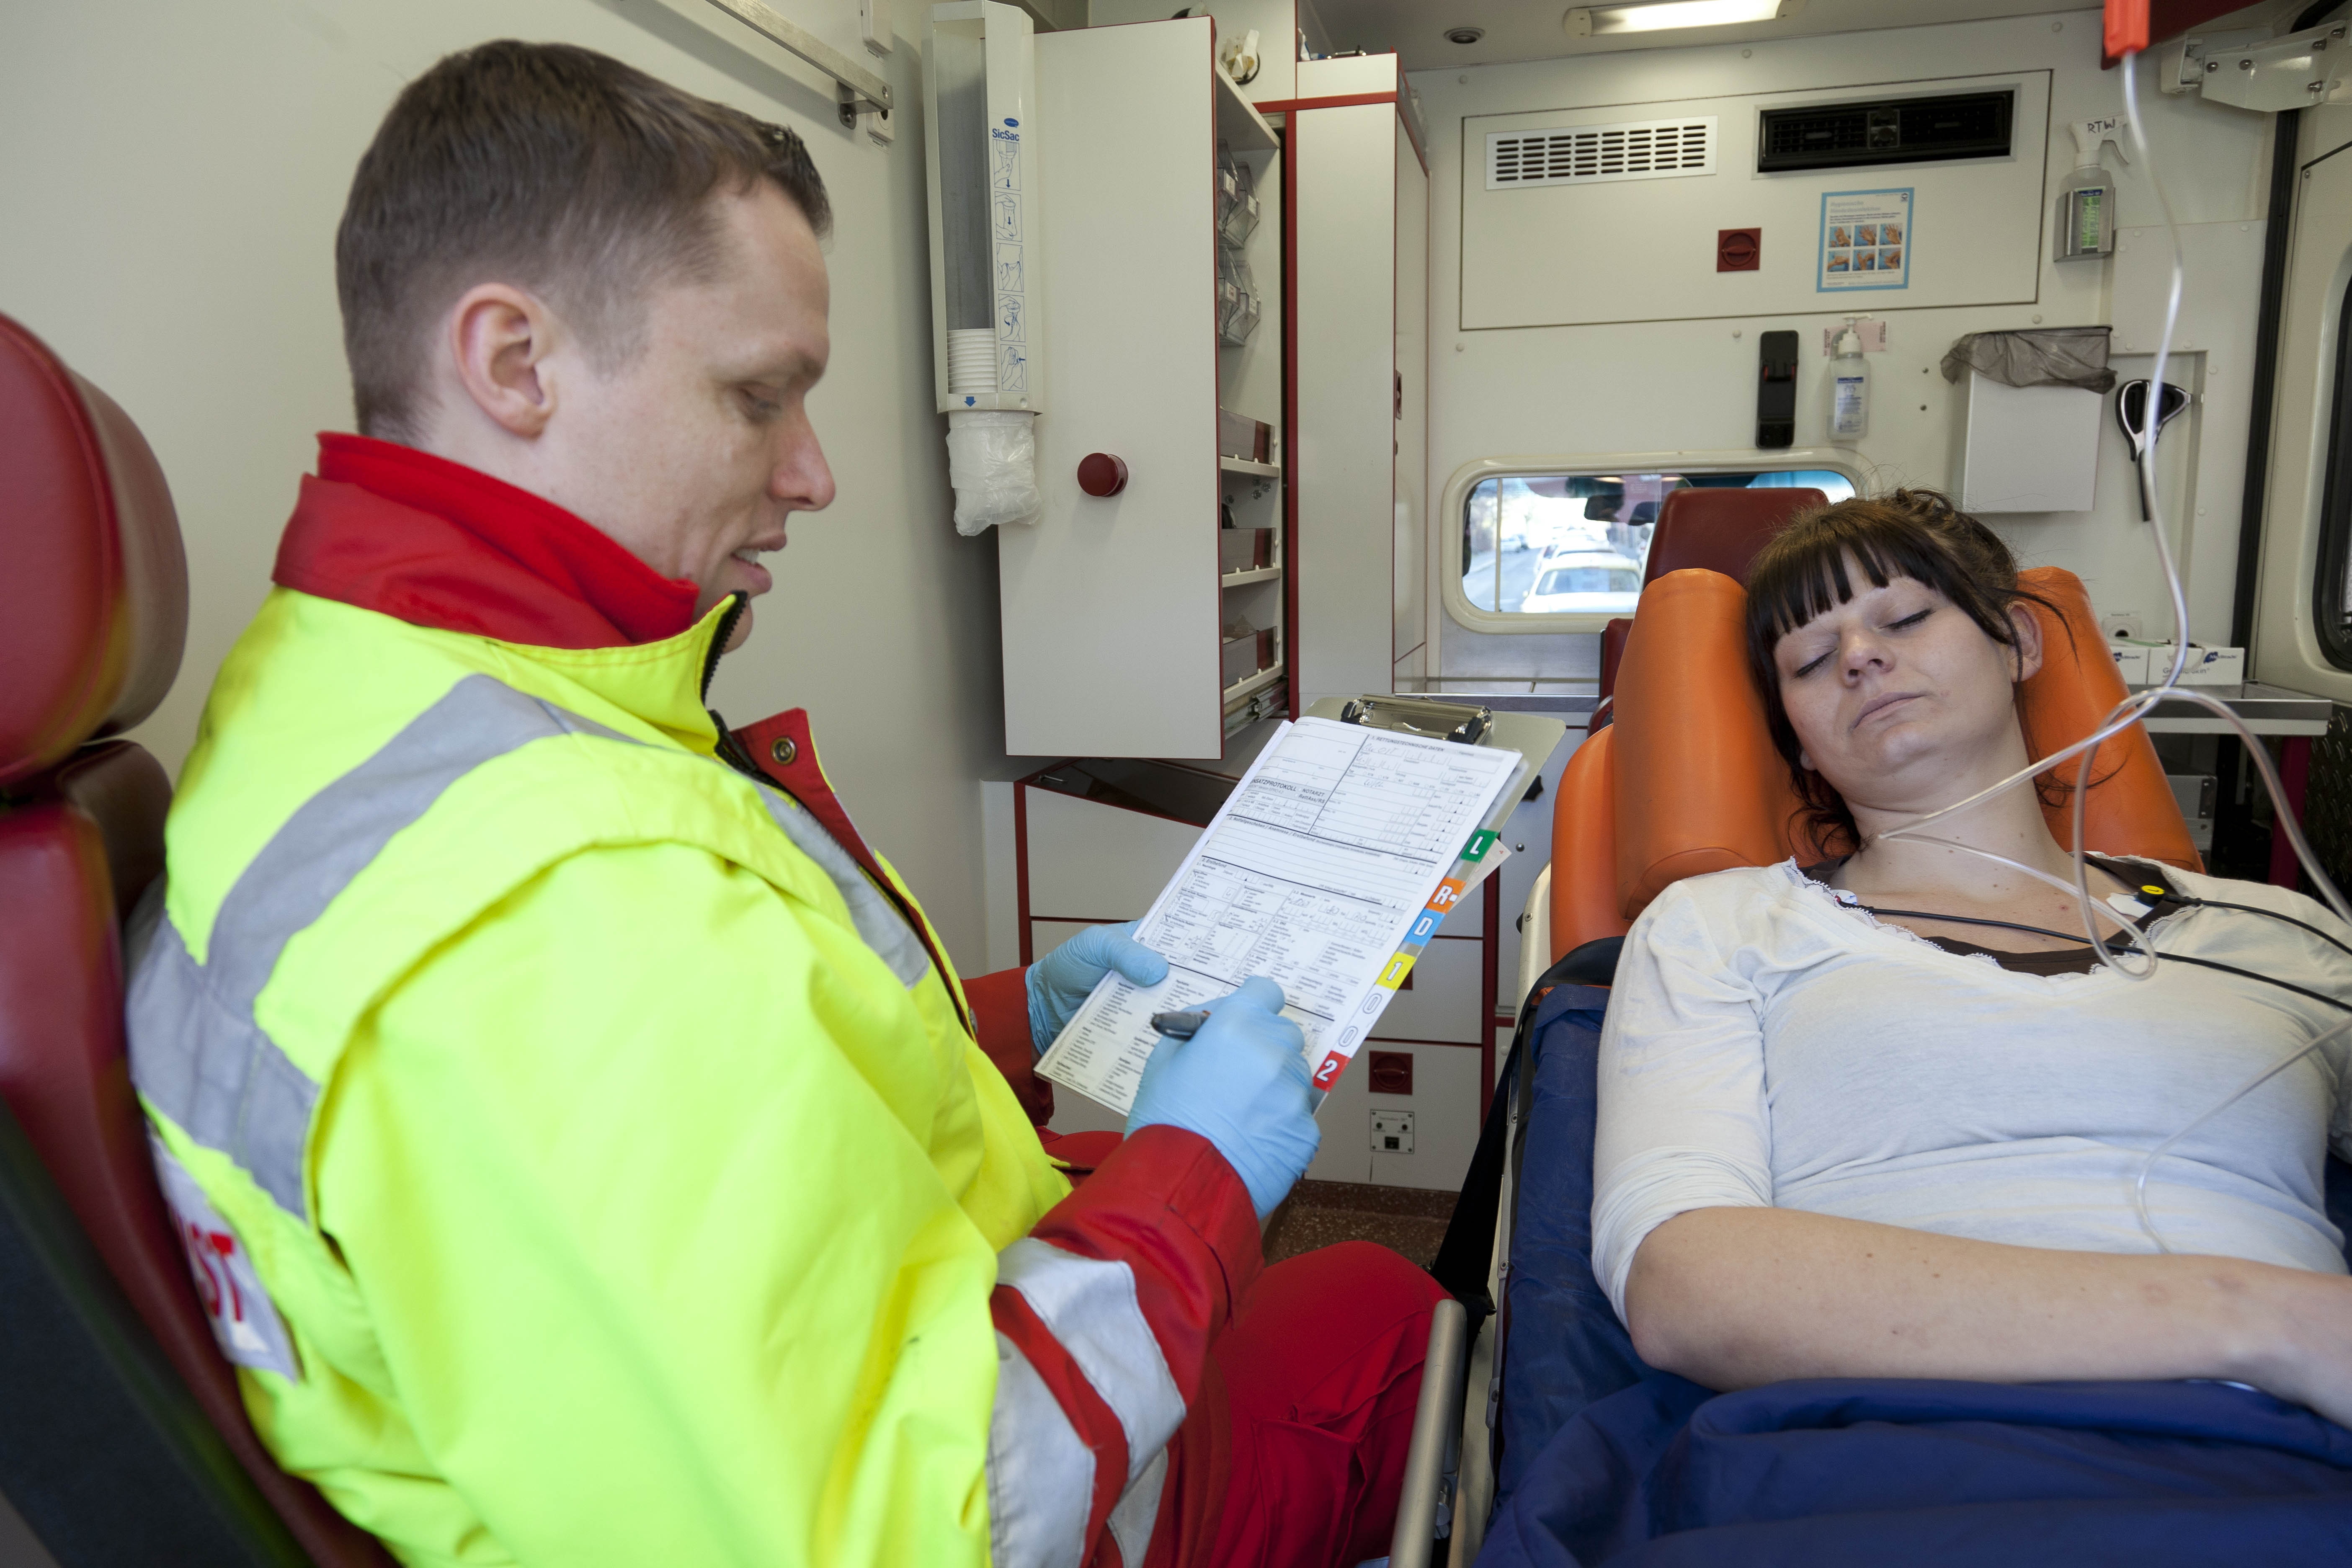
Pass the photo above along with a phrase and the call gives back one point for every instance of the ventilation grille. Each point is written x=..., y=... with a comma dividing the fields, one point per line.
x=1588, y=154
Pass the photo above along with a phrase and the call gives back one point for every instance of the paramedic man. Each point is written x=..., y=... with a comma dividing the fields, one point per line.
x=602, y=1125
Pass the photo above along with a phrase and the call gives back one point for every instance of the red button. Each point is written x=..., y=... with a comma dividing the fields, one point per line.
x=1100, y=474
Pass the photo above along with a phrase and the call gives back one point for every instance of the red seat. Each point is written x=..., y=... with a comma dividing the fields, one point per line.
x=1714, y=530
x=93, y=612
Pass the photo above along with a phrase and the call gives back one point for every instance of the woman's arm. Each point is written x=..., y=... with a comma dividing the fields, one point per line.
x=1732, y=1297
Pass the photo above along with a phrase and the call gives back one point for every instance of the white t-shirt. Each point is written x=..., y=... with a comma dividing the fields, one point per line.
x=1767, y=1047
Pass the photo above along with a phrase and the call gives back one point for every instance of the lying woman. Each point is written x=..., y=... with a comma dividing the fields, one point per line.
x=1881, y=1116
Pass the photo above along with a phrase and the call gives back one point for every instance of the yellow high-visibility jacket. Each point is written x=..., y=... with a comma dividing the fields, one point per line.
x=532, y=1191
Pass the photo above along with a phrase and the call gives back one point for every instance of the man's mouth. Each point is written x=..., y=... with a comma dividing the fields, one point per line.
x=749, y=556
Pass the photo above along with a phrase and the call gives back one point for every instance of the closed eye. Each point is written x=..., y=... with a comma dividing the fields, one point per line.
x=1805, y=670
x=1911, y=620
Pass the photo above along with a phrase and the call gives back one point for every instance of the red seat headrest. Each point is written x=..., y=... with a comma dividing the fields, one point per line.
x=94, y=600
x=1721, y=531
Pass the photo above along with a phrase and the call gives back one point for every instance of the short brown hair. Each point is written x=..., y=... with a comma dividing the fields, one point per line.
x=550, y=167
x=1800, y=573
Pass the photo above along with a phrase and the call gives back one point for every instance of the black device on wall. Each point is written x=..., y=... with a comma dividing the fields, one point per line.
x=1886, y=130
x=1776, y=389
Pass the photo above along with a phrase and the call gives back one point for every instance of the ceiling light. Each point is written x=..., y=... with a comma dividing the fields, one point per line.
x=1601, y=21
x=1464, y=34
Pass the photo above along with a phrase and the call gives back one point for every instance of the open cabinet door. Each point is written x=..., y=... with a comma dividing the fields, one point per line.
x=2304, y=635
x=1111, y=603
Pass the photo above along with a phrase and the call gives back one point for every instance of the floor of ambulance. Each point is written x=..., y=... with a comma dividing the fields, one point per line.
x=1406, y=1219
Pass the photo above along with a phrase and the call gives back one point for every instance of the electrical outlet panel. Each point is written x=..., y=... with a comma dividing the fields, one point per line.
x=1392, y=1131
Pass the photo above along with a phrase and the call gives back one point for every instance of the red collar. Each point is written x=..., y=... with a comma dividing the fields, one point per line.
x=434, y=543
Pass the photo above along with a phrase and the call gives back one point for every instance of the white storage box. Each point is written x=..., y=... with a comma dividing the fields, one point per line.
x=2027, y=448
x=2131, y=662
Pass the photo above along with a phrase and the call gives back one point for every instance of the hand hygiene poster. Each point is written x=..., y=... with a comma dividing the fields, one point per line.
x=1866, y=241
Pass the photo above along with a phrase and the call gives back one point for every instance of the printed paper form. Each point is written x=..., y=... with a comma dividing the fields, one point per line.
x=1311, y=875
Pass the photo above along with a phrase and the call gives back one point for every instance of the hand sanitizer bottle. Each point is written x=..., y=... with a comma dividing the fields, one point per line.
x=2086, y=197
x=1849, y=388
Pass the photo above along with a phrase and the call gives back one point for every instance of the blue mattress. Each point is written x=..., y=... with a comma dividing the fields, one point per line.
x=1600, y=1458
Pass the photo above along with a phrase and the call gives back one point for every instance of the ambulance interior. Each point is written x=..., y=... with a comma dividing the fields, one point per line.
x=1297, y=351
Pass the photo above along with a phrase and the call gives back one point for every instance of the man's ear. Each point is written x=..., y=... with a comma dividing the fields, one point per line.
x=2027, y=627
x=500, y=337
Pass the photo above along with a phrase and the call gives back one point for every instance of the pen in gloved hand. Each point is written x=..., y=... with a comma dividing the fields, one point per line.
x=1179, y=1026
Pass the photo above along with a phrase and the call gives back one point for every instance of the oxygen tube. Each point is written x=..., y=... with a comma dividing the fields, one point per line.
x=2135, y=708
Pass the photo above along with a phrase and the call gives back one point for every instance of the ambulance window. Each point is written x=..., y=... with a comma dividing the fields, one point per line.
x=2332, y=592
x=1553, y=544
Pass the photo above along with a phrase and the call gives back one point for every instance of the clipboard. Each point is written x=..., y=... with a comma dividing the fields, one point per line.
x=1532, y=735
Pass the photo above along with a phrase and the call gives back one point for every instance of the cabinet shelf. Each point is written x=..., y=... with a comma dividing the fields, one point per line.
x=1244, y=466
x=1239, y=124
x=1254, y=574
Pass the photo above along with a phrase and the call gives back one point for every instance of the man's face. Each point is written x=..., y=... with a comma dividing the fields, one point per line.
x=694, y=452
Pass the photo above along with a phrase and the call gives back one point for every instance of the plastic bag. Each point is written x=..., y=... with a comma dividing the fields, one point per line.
x=992, y=463
x=2042, y=356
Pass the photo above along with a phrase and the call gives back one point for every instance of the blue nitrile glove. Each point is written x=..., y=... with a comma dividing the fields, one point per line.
x=1064, y=977
x=1242, y=1083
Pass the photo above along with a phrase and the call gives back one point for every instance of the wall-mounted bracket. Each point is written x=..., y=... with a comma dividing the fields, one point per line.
x=855, y=112
x=858, y=85
x=2265, y=75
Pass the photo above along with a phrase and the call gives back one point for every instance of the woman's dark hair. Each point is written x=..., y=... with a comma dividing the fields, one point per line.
x=1801, y=573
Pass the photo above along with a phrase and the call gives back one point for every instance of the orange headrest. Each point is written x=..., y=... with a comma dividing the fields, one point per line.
x=2131, y=809
x=1699, y=786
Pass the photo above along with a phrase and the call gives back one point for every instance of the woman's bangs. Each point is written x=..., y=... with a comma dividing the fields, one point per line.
x=1811, y=580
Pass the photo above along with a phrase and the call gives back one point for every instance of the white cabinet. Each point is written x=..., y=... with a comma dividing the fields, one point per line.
x=1360, y=365
x=1116, y=609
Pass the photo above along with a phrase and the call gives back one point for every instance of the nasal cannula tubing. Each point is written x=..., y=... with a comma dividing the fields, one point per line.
x=2133, y=708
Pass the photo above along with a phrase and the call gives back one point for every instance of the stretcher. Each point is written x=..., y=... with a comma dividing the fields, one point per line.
x=1681, y=778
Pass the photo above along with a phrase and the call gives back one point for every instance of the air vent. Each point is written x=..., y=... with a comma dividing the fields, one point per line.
x=1888, y=130
x=1588, y=154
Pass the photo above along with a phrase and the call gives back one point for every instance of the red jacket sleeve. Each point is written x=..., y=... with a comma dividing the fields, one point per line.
x=1104, y=1314
x=1000, y=1005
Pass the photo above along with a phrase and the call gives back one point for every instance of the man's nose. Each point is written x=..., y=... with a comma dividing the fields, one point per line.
x=802, y=479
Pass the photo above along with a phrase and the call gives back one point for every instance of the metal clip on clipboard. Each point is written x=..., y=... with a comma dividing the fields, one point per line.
x=1420, y=716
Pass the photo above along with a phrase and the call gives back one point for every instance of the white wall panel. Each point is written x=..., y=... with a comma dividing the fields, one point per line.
x=1640, y=250
x=1445, y=1106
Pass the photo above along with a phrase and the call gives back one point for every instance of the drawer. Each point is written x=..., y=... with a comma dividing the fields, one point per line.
x=1089, y=862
